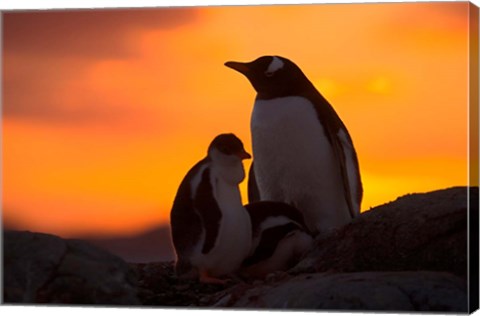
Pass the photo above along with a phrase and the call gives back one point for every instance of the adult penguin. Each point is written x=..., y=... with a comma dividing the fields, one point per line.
x=303, y=153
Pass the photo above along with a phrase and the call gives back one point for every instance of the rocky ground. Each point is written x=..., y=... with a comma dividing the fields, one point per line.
x=407, y=255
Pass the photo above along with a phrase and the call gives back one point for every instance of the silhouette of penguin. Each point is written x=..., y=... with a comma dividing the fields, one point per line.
x=211, y=230
x=303, y=153
x=279, y=238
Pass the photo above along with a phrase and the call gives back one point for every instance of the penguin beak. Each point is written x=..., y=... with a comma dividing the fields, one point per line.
x=244, y=155
x=240, y=67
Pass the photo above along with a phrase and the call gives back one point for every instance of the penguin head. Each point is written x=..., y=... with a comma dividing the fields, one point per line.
x=272, y=76
x=226, y=153
x=227, y=148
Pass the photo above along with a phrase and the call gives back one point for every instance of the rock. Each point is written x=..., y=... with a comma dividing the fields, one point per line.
x=41, y=268
x=30, y=260
x=159, y=286
x=371, y=291
x=407, y=255
x=416, y=232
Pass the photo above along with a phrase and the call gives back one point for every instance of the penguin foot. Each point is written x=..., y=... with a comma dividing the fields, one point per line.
x=205, y=278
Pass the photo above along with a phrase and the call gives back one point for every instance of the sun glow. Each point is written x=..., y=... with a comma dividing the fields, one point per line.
x=103, y=119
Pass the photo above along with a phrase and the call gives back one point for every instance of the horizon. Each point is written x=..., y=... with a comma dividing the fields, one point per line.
x=111, y=115
x=162, y=226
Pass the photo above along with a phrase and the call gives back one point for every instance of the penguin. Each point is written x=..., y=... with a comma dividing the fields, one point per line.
x=280, y=239
x=303, y=153
x=211, y=230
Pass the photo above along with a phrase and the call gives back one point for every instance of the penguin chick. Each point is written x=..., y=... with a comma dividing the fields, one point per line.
x=211, y=230
x=279, y=239
x=304, y=155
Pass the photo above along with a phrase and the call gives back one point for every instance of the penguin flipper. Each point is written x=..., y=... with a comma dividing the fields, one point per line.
x=209, y=211
x=341, y=146
x=185, y=222
x=253, y=192
x=334, y=127
x=185, y=225
x=358, y=194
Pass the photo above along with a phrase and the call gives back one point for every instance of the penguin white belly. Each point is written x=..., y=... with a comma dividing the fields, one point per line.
x=295, y=163
x=234, y=239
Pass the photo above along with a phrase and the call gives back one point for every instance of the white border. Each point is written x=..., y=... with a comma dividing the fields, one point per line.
x=71, y=4
x=58, y=4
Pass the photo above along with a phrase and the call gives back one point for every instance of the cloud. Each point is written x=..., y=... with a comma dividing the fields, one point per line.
x=60, y=92
x=37, y=89
x=58, y=101
x=85, y=33
x=427, y=28
x=48, y=55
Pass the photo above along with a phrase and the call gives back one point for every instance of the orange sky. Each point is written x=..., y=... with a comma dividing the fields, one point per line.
x=105, y=111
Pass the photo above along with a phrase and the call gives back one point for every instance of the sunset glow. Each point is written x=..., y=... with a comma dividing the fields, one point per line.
x=105, y=111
